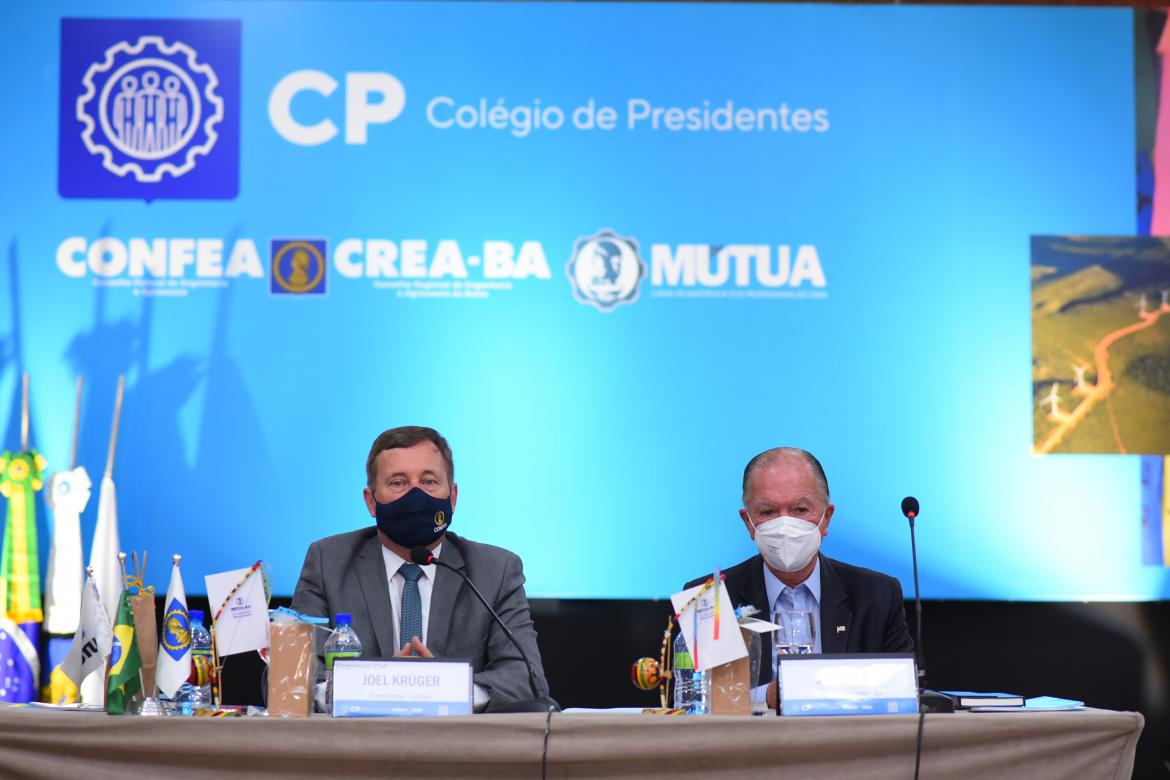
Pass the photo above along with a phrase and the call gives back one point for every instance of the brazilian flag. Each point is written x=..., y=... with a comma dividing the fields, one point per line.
x=125, y=663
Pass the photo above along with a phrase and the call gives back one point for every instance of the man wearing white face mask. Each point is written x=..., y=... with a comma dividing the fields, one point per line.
x=786, y=511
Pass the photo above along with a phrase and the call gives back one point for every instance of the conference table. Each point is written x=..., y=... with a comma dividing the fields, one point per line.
x=1084, y=744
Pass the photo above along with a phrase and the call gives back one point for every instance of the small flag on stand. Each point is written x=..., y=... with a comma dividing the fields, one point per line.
x=174, y=648
x=125, y=664
x=89, y=651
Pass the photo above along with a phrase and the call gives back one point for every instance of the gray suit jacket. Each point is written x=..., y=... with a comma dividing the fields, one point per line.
x=346, y=573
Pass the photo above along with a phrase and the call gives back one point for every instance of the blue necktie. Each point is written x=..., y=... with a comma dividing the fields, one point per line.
x=411, y=623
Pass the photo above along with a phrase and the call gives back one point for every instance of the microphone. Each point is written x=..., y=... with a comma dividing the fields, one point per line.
x=424, y=557
x=910, y=510
x=931, y=700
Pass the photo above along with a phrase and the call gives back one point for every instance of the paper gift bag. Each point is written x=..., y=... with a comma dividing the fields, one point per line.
x=292, y=669
x=146, y=637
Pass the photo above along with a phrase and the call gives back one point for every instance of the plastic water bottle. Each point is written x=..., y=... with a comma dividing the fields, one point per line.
x=192, y=696
x=201, y=649
x=691, y=688
x=342, y=643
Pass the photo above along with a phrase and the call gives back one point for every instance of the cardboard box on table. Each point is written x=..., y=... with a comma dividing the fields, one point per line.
x=731, y=684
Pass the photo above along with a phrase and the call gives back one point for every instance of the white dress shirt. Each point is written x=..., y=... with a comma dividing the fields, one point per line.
x=805, y=597
x=426, y=584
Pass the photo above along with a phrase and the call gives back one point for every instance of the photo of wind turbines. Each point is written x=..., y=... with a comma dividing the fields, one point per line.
x=1101, y=345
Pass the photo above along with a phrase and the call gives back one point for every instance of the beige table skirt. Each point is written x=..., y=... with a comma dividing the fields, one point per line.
x=1083, y=744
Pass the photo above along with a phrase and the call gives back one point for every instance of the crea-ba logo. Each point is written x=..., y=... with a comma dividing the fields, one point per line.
x=298, y=266
x=149, y=109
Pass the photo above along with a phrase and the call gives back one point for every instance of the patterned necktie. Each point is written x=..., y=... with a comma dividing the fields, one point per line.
x=411, y=623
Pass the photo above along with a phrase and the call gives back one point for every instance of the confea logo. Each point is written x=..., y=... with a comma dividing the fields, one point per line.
x=298, y=266
x=149, y=109
x=605, y=270
x=176, y=638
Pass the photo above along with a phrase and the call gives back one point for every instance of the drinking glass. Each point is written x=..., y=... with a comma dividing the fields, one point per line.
x=796, y=635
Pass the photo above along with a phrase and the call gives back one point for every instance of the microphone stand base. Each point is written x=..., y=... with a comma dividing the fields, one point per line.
x=933, y=701
x=543, y=704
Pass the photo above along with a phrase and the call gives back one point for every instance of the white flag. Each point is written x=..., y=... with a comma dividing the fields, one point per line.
x=103, y=555
x=107, y=574
x=241, y=626
x=68, y=492
x=92, y=642
x=717, y=640
x=174, y=646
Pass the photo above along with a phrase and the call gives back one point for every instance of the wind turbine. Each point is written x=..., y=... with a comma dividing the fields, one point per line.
x=1053, y=401
x=1080, y=388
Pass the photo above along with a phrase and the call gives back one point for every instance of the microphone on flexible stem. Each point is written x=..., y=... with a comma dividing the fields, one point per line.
x=910, y=509
x=424, y=557
x=932, y=700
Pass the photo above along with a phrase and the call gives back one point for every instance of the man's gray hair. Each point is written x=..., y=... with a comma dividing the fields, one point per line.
x=768, y=457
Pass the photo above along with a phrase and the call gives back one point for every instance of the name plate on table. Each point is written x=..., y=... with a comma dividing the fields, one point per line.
x=830, y=684
x=401, y=688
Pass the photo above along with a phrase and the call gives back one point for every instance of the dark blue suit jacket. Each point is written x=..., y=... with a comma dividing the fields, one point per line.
x=862, y=610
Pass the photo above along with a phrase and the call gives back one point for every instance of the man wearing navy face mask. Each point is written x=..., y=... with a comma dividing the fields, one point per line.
x=400, y=608
x=786, y=511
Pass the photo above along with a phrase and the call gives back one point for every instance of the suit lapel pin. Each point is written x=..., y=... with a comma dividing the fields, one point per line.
x=840, y=629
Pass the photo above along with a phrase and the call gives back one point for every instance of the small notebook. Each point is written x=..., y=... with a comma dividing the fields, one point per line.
x=967, y=699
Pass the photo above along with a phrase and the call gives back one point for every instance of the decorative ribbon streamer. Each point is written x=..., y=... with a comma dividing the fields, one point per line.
x=710, y=583
x=258, y=565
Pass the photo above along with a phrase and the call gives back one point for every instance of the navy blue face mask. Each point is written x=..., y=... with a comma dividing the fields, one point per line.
x=416, y=518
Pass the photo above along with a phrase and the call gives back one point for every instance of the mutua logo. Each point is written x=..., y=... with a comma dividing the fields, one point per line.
x=149, y=109
x=784, y=273
x=605, y=270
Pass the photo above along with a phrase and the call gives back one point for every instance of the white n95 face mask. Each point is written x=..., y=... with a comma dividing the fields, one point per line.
x=788, y=543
